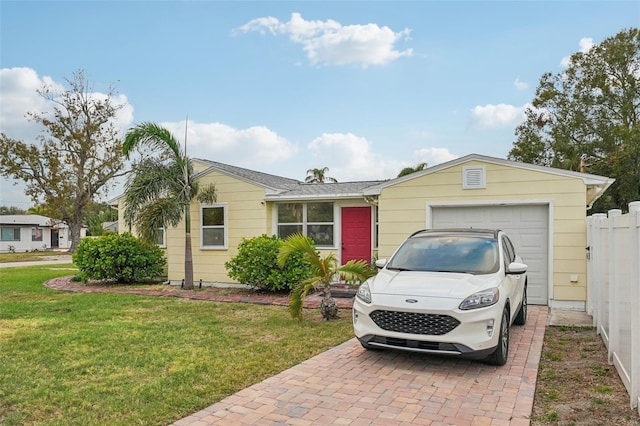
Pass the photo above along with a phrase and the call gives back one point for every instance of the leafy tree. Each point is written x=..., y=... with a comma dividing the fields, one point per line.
x=11, y=210
x=159, y=192
x=409, y=170
x=587, y=118
x=76, y=156
x=323, y=272
x=319, y=176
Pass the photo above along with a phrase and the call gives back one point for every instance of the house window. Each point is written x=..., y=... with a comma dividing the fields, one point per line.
x=161, y=237
x=10, y=234
x=36, y=234
x=312, y=219
x=213, y=232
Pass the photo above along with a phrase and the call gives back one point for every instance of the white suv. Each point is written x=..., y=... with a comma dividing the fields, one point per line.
x=449, y=291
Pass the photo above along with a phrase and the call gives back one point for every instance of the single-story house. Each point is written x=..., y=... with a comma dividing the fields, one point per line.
x=29, y=232
x=543, y=209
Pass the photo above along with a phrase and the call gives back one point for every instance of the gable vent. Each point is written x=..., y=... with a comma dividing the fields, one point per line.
x=473, y=177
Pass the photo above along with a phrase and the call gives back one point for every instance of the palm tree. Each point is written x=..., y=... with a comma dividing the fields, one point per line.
x=319, y=176
x=323, y=270
x=409, y=170
x=159, y=192
x=39, y=209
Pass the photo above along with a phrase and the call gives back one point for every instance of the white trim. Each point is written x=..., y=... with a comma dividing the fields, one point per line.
x=533, y=202
x=225, y=226
x=588, y=179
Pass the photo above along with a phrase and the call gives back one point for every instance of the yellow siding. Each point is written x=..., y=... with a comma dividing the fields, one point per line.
x=246, y=218
x=402, y=209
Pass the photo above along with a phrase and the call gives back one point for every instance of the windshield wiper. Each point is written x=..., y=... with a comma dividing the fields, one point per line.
x=396, y=268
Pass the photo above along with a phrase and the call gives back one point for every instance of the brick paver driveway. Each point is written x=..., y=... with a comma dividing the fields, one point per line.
x=347, y=385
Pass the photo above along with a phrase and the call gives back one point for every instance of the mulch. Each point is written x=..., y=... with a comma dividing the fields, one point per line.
x=210, y=294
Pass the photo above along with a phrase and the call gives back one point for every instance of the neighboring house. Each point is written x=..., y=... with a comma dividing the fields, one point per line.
x=31, y=232
x=110, y=226
x=543, y=209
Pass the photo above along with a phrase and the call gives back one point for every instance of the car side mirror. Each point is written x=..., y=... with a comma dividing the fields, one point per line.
x=380, y=263
x=516, y=268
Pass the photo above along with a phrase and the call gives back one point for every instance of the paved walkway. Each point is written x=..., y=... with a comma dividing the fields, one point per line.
x=348, y=385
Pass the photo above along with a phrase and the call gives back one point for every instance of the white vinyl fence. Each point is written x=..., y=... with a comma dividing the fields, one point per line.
x=613, y=290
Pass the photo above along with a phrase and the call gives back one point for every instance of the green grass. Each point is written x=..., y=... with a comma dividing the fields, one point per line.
x=27, y=256
x=113, y=359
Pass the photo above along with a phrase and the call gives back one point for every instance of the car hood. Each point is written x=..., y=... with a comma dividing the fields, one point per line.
x=430, y=284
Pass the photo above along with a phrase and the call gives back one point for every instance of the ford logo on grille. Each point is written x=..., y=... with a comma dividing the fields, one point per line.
x=411, y=301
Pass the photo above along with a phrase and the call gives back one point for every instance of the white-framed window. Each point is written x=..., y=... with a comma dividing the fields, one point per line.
x=10, y=234
x=474, y=177
x=36, y=233
x=161, y=237
x=314, y=220
x=213, y=226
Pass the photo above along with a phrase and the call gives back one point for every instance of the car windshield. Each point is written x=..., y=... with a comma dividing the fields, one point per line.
x=447, y=253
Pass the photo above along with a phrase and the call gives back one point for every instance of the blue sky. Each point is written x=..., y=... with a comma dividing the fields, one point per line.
x=363, y=87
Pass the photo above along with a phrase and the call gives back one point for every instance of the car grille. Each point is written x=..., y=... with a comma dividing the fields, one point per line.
x=414, y=322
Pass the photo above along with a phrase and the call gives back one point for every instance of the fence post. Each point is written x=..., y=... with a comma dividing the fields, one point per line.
x=600, y=256
x=634, y=246
x=614, y=321
x=594, y=272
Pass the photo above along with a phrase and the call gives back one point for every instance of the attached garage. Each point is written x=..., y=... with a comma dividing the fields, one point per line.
x=543, y=210
x=527, y=225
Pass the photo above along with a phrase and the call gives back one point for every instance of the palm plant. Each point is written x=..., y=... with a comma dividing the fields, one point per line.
x=159, y=192
x=319, y=176
x=323, y=271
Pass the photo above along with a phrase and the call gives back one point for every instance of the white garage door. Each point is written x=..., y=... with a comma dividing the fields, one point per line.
x=527, y=226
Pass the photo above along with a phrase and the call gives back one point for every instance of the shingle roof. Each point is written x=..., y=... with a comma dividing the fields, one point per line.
x=286, y=188
x=303, y=190
x=265, y=179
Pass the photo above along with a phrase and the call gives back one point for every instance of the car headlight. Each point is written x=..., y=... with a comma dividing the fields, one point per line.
x=481, y=299
x=364, y=293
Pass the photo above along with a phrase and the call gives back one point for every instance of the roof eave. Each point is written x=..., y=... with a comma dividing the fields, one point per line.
x=286, y=197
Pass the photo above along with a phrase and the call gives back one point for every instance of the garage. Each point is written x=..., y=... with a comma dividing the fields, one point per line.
x=527, y=225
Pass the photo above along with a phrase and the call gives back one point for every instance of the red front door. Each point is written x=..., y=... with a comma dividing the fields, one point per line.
x=356, y=234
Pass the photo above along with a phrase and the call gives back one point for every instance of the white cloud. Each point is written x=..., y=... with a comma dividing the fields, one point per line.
x=351, y=158
x=586, y=43
x=433, y=156
x=520, y=85
x=256, y=145
x=331, y=43
x=493, y=116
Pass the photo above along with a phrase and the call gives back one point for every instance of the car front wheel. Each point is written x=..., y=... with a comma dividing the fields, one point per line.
x=501, y=354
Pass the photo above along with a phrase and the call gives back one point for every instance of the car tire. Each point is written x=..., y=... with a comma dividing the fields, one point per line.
x=501, y=354
x=521, y=316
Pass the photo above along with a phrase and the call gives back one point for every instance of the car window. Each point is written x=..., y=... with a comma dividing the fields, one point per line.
x=445, y=253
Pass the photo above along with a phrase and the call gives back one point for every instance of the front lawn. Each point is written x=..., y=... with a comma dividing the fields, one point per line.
x=114, y=359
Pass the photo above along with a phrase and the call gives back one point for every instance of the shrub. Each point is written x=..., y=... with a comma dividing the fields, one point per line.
x=120, y=257
x=256, y=264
